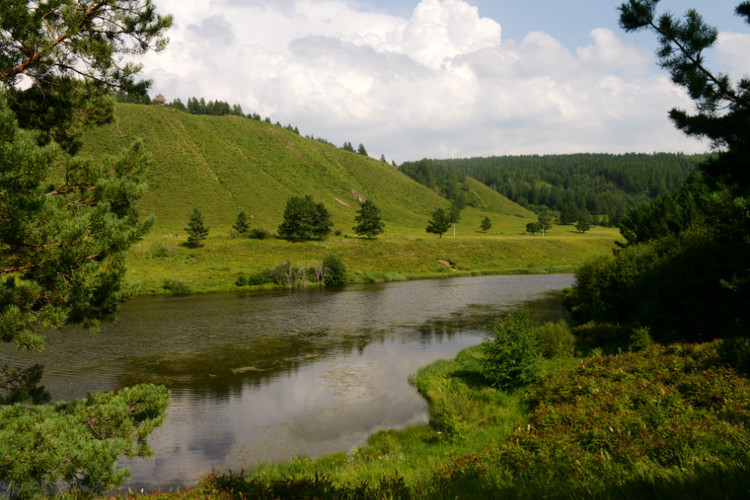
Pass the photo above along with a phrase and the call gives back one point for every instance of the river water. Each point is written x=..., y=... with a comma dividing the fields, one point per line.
x=265, y=376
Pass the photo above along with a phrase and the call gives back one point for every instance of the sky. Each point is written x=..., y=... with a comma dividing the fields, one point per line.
x=416, y=79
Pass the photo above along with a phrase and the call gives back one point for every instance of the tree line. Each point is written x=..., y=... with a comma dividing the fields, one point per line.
x=603, y=184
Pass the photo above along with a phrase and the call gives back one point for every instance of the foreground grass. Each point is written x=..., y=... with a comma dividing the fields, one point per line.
x=216, y=265
x=667, y=422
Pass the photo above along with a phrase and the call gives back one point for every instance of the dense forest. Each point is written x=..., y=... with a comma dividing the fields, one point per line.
x=603, y=184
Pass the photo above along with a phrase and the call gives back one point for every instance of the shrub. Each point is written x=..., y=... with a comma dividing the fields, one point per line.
x=640, y=339
x=259, y=278
x=258, y=234
x=241, y=280
x=512, y=351
x=285, y=274
x=177, y=287
x=556, y=339
x=335, y=272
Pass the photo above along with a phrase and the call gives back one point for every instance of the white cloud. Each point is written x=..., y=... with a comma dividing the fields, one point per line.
x=734, y=51
x=439, y=83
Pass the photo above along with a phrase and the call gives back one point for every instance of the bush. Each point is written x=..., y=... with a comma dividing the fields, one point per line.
x=258, y=234
x=285, y=274
x=177, y=287
x=259, y=278
x=556, y=339
x=640, y=339
x=335, y=272
x=512, y=351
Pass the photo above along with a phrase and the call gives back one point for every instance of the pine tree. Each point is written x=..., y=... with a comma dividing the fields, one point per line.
x=486, y=224
x=368, y=220
x=439, y=223
x=361, y=150
x=241, y=225
x=63, y=246
x=197, y=231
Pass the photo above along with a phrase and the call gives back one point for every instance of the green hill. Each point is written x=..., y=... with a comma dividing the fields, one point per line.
x=224, y=165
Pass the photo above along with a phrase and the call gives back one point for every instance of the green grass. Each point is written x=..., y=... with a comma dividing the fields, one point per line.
x=215, y=266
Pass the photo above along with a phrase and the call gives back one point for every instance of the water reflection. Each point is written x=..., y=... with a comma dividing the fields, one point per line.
x=265, y=376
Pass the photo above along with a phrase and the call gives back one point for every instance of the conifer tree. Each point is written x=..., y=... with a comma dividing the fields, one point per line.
x=63, y=245
x=197, y=230
x=241, y=225
x=368, y=220
x=439, y=223
x=486, y=224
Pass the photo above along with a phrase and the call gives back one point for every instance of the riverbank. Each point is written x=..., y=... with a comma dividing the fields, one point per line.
x=665, y=422
x=215, y=267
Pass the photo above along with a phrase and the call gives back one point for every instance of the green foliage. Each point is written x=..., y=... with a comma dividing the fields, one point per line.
x=258, y=234
x=533, y=228
x=288, y=275
x=544, y=219
x=259, y=278
x=667, y=422
x=63, y=247
x=20, y=386
x=196, y=229
x=361, y=150
x=71, y=54
x=486, y=224
x=512, y=351
x=439, y=223
x=640, y=339
x=177, y=287
x=368, y=220
x=686, y=271
x=556, y=339
x=601, y=183
x=241, y=225
x=334, y=271
x=78, y=442
x=304, y=219
x=584, y=222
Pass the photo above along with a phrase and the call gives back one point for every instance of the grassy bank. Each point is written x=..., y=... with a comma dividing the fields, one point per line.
x=666, y=422
x=216, y=266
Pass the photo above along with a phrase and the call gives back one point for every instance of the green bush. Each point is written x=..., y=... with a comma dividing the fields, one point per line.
x=177, y=287
x=640, y=339
x=512, y=351
x=258, y=234
x=335, y=272
x=259, y=278
x=556, y=339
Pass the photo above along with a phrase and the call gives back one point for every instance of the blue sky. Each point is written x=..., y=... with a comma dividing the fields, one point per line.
x=440, y=78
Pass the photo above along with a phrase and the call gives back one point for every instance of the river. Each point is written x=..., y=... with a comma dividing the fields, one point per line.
x=265, y=376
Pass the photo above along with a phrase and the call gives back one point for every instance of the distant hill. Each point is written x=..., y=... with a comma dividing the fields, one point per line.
x=604, y=184
x=227, y=164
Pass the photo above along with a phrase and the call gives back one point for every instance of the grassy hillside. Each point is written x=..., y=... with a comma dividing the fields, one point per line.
x=224, y=165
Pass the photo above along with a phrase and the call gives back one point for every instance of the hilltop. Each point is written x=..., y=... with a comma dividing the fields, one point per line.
x=227, y=164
